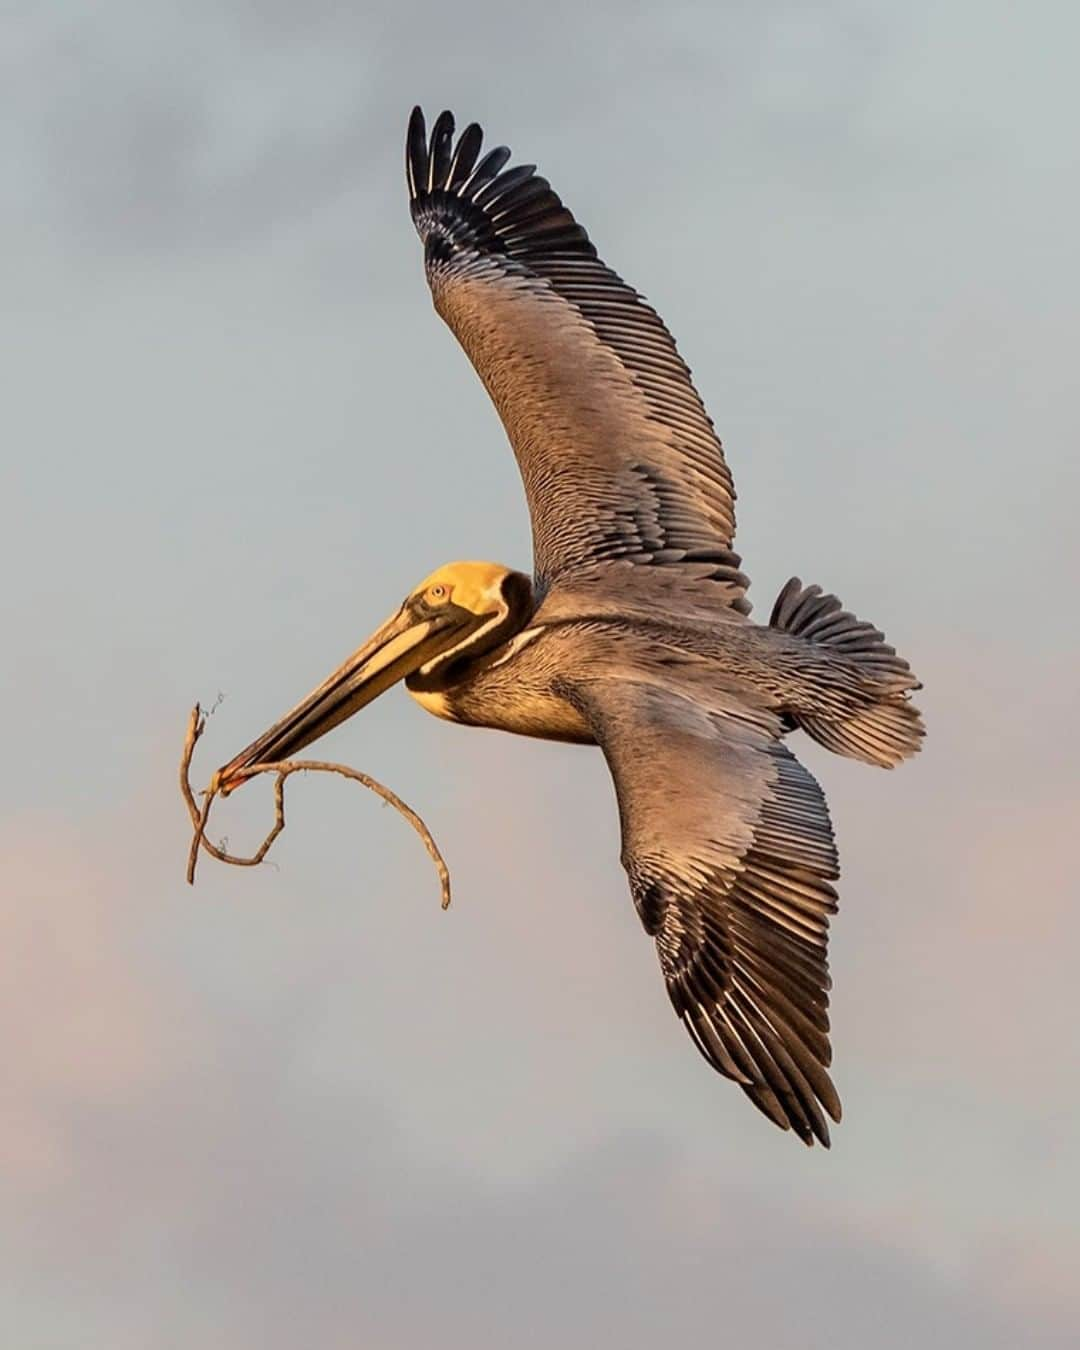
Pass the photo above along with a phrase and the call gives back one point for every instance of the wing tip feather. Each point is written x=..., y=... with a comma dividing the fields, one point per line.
x=453, y=193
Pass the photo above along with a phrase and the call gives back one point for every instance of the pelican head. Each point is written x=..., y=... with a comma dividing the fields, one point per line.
x=454, y=617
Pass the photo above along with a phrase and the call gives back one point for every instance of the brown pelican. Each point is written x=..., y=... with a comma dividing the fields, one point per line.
x=633, y=633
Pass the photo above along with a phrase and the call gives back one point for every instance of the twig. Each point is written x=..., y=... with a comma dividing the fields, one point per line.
x=283, y=769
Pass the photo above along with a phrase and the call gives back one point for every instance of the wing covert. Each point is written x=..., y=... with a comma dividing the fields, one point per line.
x=618, y=456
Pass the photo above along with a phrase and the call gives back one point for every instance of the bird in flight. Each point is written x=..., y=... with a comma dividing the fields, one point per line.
x=633, y=632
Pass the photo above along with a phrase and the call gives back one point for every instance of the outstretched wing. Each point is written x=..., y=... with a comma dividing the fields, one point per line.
x=618, y=455
x=730, y=854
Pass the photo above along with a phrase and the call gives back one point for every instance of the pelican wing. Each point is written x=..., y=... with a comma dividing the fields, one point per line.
x=730, y=854
x=619, y=458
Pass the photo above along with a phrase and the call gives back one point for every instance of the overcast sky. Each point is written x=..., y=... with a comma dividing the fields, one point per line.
x=302, y=1107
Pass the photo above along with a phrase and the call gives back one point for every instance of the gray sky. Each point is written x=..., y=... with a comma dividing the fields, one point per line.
x=302, y=1106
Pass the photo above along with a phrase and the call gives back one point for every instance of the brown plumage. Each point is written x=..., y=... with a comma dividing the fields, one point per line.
x=634, y=634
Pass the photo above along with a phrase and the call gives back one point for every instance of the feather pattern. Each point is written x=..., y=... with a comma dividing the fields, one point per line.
x=619, y=458
x=730, y=853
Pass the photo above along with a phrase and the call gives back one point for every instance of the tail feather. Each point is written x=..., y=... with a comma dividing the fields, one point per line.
x=880, y=725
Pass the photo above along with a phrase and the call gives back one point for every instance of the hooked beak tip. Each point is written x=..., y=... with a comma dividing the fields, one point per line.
x=221, y=784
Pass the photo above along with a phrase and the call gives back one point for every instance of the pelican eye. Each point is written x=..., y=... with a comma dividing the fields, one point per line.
x=436, y=594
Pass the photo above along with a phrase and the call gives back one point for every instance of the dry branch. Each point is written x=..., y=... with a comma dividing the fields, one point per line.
x=283, y=769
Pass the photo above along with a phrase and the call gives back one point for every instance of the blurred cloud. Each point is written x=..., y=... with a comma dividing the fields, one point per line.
x=200, y=1152
x=74, y=990
x=210, y=126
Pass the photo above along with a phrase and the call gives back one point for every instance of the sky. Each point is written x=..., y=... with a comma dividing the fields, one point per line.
x=299, y=1105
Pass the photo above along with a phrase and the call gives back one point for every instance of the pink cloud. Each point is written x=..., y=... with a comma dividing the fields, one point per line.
x=83, y=1016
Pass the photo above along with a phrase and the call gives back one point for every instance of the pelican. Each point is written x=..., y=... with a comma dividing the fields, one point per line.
x=633, y=632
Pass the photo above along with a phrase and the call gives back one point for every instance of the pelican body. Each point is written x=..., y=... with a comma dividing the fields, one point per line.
x=634, y=632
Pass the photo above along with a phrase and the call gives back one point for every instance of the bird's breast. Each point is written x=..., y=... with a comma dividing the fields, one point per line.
x=524, y=712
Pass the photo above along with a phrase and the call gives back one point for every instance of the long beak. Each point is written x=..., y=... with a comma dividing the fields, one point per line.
x=400, y=646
